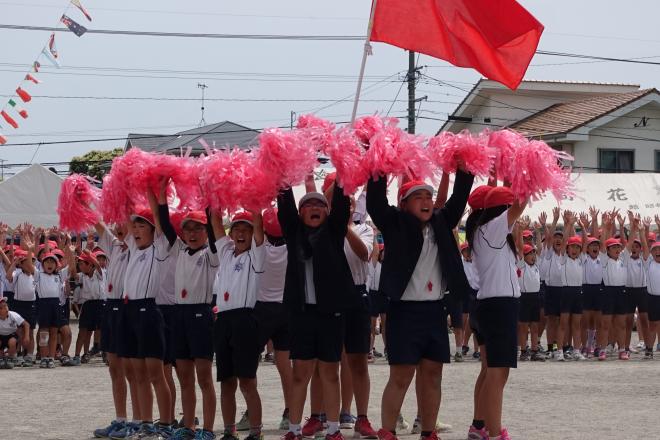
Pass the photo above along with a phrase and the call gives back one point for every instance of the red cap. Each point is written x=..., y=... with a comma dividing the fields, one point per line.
x=574, y=240
x=464, y=246
x=88, y=257
x=612, y=242
x=58, y=253
x=52, y=255
x=20, y=254
x=528, y=234
x=410, y=187
x=52, y=244
x=194, y=216
x=476, y=200
x=498, y=196
x=655, y=244
x=652, y=237
x=328, y=181
x=528, y=249
x=243, y=216
x=593, y=240
x=99, y=253
x=145, y=214
x=271, y=223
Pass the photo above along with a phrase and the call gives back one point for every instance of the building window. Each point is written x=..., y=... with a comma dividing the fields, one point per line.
x=657, y=160
x=616, y=161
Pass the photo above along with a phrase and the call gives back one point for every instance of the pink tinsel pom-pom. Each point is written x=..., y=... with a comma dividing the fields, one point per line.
x=316, y=132
x=286, y=156
x=505, y=143
x=78, y=204
x=347, y=155
x=367, y=126
x=392, y=151
x=116, y=204
x=448, y=149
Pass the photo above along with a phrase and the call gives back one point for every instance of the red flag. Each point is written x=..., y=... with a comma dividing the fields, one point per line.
x=497, y=38
x=34, y=79
x=3, y=139
x=9, y=119
x=25, y=96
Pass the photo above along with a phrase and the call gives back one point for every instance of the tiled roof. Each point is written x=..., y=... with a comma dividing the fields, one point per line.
x=568, y=116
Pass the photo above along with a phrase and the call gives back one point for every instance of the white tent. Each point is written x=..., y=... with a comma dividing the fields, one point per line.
x=30, y=196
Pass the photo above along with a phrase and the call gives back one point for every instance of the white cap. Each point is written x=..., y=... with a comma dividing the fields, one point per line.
x=312, y=196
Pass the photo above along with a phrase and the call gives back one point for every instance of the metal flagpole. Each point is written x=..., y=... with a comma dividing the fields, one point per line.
x=367, y=52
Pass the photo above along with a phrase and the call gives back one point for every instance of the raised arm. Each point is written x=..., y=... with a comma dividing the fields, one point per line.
x=287, y=213
x=455, y=206
x=644, y=238
x=584, y=224
x=594, y=220
x=161, y=211
x=443, y=191
x=257, y=227
x=340, y=213
x=216, y=225
x=515, y=211
x=377, y=204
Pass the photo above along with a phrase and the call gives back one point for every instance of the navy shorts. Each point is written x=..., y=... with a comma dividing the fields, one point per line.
x=497, y=328
x=454, y=308
x=110, y=326
x=237, y=349
x=4, y=340
x=542, y=291
x=27, y=310
x=142, y=333
x=614, y=300
x=66, y=311
x=51, y=313
x=653, y=302
x=592, y=299
x=530, y=307
x=91, y=315
x=637, y=299
x=378, y=303
x=192, y=331
x=357, y=325
x=552, y=301
x=169, y=318
x=316, y=335
x=10, y=299
x=468, y=301
x=571, y=300
x=273, y=324
x=417, y=330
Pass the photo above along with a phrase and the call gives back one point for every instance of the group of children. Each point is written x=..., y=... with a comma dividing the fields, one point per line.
x=314, y=279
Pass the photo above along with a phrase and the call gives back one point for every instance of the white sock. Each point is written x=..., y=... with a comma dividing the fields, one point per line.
x=296, y=429
x=120, y=419
x=333, y=427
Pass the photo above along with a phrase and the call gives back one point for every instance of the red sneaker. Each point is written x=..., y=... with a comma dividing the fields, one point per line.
x=363, y=429
x=433, y=436
x=624, y=356
x=384, y=434
x=291, y=436
x=312, y=426
x=336, y=436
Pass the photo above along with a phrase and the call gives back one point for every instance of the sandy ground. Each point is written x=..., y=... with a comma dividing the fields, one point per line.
x=544, y=401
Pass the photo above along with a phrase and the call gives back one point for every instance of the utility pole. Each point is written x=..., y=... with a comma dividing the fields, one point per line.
x=293, y=118
x=202, y=86
x=411, y=77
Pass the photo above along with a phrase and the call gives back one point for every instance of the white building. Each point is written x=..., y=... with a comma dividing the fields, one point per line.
x=608, y=128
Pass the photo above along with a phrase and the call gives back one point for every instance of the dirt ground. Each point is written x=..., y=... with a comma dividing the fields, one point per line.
x=543, y=401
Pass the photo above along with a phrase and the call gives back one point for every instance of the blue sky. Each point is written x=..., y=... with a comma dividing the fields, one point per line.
x=249, y=69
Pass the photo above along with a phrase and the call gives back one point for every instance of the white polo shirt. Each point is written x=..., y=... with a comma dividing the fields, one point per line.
x=143, y=273
x=271, y=282
x=426, y=283
x=11, y=324
x=614, y=271
x=165, y=294
x=573, y=271
x=530, y=277
x=593, y=269
x=91, y=288
x=495, y=261
x=653, y=272
x=471, y=274
x=555, y=276
x=23, y=286
x=118, y=256
x=374, y=276
x=49, y=285
x=544, y=263
x=237, y=278
x=194, y=274
x=636, y=272
x=359, y=268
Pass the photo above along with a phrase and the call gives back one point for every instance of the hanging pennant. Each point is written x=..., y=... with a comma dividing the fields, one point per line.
x=36, y=65
x=73, y=26
x=9, y=119
x=20, y=110
x=50, y=51
x=3, y=139
x=34, y=79
x=78, y=5
x=25, y=96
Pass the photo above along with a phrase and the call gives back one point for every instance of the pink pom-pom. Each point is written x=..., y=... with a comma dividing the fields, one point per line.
x=367, y=126
x=505, y=143
x=392, y=151
x=316, y=132
x=78, y=204
x=347, y=155
x=285, y=156
x=447, y=150
x=116, y=204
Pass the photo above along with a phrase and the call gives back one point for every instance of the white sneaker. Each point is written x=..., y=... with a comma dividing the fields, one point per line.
x=610, y=350
x=641, y=345
x=633, y=350
x=578, y=356
x=442, y=427
x=401, y=423
x=417, y=427
x=559, y=355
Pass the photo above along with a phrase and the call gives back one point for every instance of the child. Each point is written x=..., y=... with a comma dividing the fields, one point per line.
x=488, y=231
x=530, y=303
x=318, y=288
x=11, y=325
x=593, y=285
x=237, y=347
x=636, y=283
x=378, y=301
x=555, y=244
x=469, y=300
x=422, y=262
x=570, y=320
x=651, y=255
x=192, y=330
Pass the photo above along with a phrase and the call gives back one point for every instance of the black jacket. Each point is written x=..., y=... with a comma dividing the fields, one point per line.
x=333, y=283
x=402, y=234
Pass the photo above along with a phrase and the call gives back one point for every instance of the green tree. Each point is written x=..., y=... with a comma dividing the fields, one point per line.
x=95, y=163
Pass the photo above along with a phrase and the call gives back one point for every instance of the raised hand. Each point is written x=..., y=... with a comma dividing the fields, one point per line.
x=555, y=214
x=593, y=212
x=543, y=218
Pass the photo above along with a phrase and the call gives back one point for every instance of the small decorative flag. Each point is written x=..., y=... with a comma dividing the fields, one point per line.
x=36, y=65
x=9, y=119
x=78, y=5
x=30, y=77
x=25, y=96
x=3, y=139
x=73, y=26
x=51, y=46
x=20, y=110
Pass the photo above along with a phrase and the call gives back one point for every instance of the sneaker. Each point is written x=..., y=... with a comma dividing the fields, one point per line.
x=433, y=436
x=112, y=427
x=632, y=350
x=504, y=435
x=477, y=434
x=202, y=434
x=85, y=358
x=578, y=356
x=183, y=434
x=417, y=426
x=476, y=355
x=270, y=357
x=524, y=355
x=244, y=423
x=127, y=431
x=65, y=360
x=28, y=361
x=336, y=436
x=291, y=436
x=537, y=357
x=648, y=355
x=624, y=356
x=609, y=350
x=164, y=431
x=284, y=423
x=384, y=434
x=346, y=421
x=465, y=350
x=260, y=436
x=75, y=361
x=3, y=363
x=93, y=352
x=363, y=429
x=602, y=355
x=558, y=355
x=312, y=426
x=18, y=361
x=401, y=424
x=229, y=436
x=442, y=427
x=43, y=363
x=11, y=363
x=146, y=431
x=377, y=353
x=458, y=356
